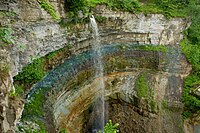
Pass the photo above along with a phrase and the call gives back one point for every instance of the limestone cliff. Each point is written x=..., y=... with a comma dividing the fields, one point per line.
x=139, y=50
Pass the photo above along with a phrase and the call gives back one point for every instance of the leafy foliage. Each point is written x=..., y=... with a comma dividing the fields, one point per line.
x=75, y=5
x=110, y=127
x=192, y=103
x=191, y=48
x=49, y=8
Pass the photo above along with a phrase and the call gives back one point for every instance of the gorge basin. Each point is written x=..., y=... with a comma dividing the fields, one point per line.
x=142, y=91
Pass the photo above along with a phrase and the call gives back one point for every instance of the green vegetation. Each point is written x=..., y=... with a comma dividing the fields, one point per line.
x=192, y=103
x=170, y=8
x=63, y=131
x=7, y=14
x=34, y=110
x=79, y=10
x=18, y=92
x=164, y=104
x=34, y=107
x=75, y=5
x=100, y=19
x=110, y=127
x=32, y=73
x=30, y=129
x=161, y=48
x=6, y=36
x=141, y=86
x=49, y=8
x=152, y=101
x=191, y=48
x=36, y=70
x=144, y=91
x=4, y=70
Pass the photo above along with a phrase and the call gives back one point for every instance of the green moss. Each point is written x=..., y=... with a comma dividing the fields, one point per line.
x=49, y=8
x=6, y=36
x=7, y=14
x=164, y=104
x=153, y=105
x=34, y=107
x=152, y=101
x=32, y=73
x=141, y=86
x=100, y=19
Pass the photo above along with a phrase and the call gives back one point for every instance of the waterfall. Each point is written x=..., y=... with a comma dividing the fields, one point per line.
x=99, y=70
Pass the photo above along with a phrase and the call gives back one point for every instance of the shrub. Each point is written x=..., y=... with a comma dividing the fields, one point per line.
x=110, y=127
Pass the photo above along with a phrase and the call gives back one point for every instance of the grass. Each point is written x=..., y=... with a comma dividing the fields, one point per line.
x=141, y=86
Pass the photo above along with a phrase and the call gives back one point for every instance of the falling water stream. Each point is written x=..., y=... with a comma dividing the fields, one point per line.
x=99, y=70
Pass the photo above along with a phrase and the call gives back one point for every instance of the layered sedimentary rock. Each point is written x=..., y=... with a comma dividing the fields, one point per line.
x=67, y=94
x=37, y=34
x=10, y=107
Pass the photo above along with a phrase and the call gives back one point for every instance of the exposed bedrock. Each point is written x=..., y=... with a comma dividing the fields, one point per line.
x=37, y=34
x=143, y=87
x=149, y=83
x=10, y=107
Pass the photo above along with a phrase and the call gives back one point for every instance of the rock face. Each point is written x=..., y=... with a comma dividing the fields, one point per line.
x=72, y=89
x=37, y=35
x=10, y=108
x=143, y=87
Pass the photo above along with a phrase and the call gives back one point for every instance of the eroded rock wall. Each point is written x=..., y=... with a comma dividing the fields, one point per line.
x=36, y=34
x=10, y=107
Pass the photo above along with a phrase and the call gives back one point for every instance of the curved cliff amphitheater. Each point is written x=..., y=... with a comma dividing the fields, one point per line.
x=129, y=68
